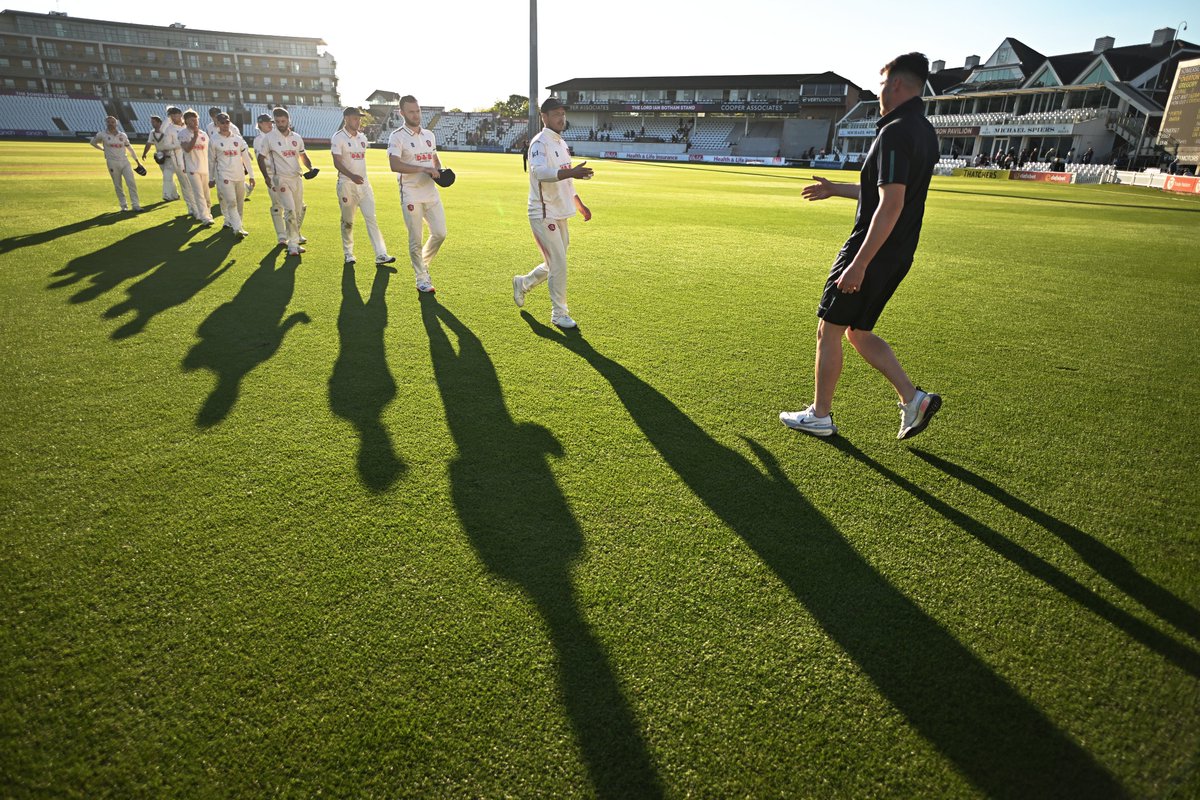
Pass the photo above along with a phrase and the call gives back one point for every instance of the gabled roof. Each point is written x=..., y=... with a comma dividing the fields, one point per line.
x=1030, y=59
x=703, y=82
x=385, y=96
x=944, y=79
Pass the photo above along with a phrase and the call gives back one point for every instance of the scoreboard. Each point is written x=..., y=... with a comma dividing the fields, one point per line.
x=1181, y=121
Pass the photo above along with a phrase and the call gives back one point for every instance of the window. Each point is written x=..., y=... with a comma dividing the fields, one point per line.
x=3, y=62
x=1098, y=74
x=9, y=83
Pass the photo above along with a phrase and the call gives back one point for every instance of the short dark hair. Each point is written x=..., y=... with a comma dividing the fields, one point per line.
x=408, y=98
x=280, y=111
x=914, y=65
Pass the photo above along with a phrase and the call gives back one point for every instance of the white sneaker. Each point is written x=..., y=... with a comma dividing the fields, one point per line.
x=295, y=251
x=382, y=260
x=808, y=422
x=519, y=291
x=350, y=262
x=303, y=240
x=283, y=241
x=243, y=233
x=426, y=286
x=915, y=414
x=564, y=322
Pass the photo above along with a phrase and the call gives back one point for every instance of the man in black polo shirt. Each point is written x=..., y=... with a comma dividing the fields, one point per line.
x=891, y=202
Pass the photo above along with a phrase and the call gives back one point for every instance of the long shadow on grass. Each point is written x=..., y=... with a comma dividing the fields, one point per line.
x=125, y=259
x=11, y=243
x=243, y=333
x=1104, y=560
x=361, y=385
x=1178, y=654
x=523, y=529
x=182, y=276
x=994, y=736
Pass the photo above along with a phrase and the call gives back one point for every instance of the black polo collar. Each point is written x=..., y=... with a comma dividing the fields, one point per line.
x=912, y=105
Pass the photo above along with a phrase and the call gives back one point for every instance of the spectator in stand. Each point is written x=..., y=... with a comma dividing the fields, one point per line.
x=1088, y=155
x=1071, y=156
x=1173, y=167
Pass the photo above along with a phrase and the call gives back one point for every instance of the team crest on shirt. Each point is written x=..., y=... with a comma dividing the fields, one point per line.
x=428, y=143
x=293, y=143
x=551, y=226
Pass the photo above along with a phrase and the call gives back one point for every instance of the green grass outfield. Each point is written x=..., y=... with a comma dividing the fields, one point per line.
x=273, y=529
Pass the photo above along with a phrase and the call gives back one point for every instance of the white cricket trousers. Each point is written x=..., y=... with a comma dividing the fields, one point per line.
x=175, y=159
x=288, y=192
x=358, y=196
x=168, y=175
x=552, y=240
x=414, y=215
x=119, y=171
x=232, y=195
x=201, y=203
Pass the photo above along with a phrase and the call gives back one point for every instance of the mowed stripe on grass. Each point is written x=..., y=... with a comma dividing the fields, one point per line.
x=279, y=527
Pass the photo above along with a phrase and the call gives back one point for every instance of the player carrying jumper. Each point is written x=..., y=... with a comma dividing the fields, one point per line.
x=162, y=157
x=228, y=163
x=891, y=195
x=279, y=157
x=114, y=143
x=194, y=143
x=349, y=150
x=552, y=201
x=412, y=153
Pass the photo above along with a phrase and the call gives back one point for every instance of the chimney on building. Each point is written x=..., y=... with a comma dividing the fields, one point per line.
x=972, y=62
x=1163, y=36
x=1102, y=44
x=937, y=66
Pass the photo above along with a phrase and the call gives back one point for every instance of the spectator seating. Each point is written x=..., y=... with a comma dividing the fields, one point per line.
x=46, y=112
x=315, y=123
x=711, y=134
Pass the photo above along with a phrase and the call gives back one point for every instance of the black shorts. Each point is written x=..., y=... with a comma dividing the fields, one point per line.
x=860, y=310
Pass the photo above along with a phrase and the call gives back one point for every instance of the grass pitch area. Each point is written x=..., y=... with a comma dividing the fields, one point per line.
x=274, y=527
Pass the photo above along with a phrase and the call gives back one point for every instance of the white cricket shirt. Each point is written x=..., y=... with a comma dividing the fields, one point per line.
x=197, y=160
x=418, y=148
x=282, y=153
x=550, y=198
x=352, y=149
x=229, y=158
x=114, y=146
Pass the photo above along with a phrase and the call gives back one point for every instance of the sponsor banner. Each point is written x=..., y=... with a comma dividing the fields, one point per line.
x=14, y=132
x=829, y=163
x=972, y=172
x=1025, y=130
x=966, y=130
x=693, y=158
x=1182, y=183
x=1042, y=177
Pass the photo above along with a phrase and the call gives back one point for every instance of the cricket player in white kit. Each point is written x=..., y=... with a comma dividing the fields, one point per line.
x=162, y=157
x=195, y=143
x=265, y=125
x=552, y=201
x=174, y=163
x=279, y=157
x=349, y=150
x=228, y=163
x=412, y=153
x=114, y=143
